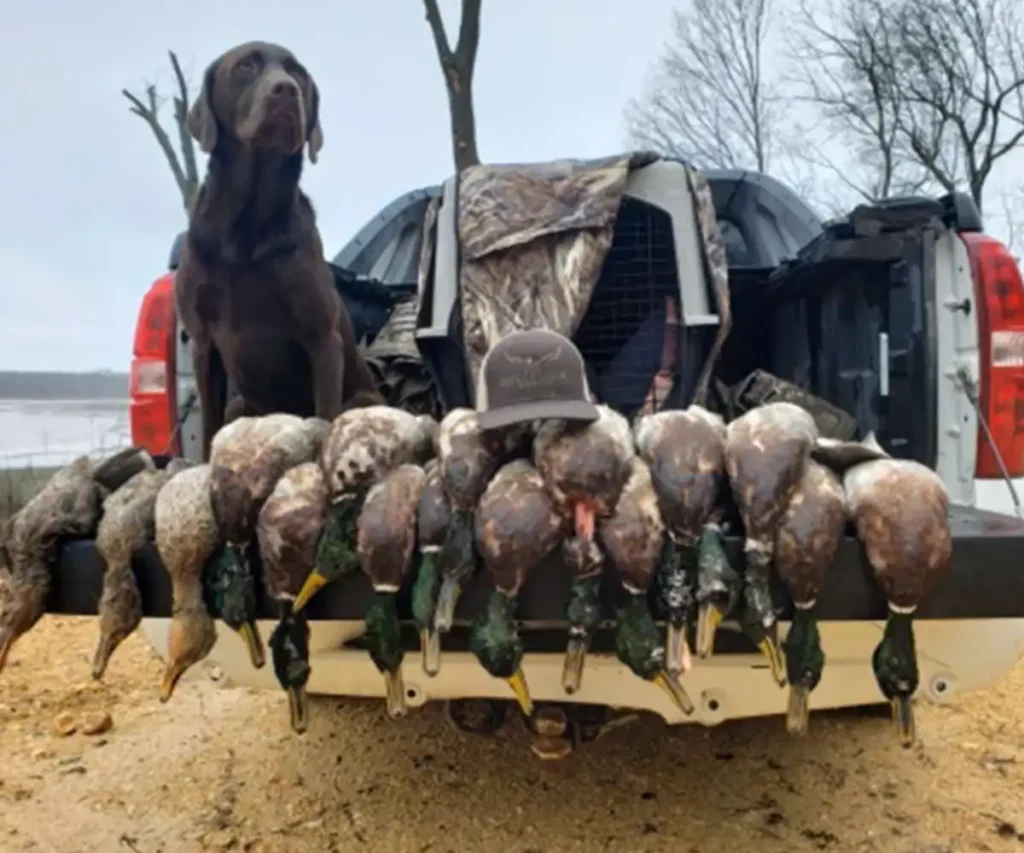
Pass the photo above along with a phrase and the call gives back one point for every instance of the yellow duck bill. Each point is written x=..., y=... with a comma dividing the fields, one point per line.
x=675, y=691
x=709, y=617
x=314, y=583
x=172, y=675
x=430, y=647
x=798, y=711
x=298, y=709
x=517, y=681
x=903, y=717
x=677, y=650
x=253, y=644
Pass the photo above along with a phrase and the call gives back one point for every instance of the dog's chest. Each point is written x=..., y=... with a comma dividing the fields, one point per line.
x=235, y=301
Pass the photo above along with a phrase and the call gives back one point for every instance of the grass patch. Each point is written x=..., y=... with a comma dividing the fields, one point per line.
x=18, y=486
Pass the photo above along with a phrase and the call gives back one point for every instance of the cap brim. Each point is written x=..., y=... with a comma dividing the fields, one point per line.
x=572, y=410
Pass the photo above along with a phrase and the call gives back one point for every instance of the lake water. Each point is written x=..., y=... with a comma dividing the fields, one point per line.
x=44, y=433
x=38, y=433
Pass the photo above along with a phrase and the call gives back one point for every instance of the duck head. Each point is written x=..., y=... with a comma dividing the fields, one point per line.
x=190, y=639
x=638, y=646
x=494, y=640
x=384, y=642
x=805, y=661
x=335, y=554
x=289, y=652
x=895, y=666
x=230, y=590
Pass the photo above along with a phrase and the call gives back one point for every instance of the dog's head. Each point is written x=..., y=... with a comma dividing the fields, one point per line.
x=260, y=94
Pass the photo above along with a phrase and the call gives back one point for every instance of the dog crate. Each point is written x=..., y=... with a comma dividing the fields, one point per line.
x=654, y=267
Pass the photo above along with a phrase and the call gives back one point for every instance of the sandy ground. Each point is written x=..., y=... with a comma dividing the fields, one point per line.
x=218, y=769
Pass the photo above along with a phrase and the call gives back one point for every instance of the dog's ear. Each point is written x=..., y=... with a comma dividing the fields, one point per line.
x=202, y=120
x=314, y=133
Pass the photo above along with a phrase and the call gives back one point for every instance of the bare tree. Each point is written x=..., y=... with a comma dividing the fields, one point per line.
x=182, y=159
x=710, y=101
x=839, y=51
x=946, y=75
x=457, y=66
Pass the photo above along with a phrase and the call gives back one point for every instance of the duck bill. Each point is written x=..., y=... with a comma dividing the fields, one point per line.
x=709, y=616
x=395, y=694
x=575, y=658
x=675, y=691
x=798, y=712
x=903, y=717
x=430, y=647
x=314, y=583
x=253, y=644
x=677, y=650
x=517, y=681
x=104, y=651
x=298, y=708
x=771, y=648
x=172, y=675
x=447, y=598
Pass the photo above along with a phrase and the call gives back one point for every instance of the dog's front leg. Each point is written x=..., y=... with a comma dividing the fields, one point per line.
x=211, y=382
x=328, y=362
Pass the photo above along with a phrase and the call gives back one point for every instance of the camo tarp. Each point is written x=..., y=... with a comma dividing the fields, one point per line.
x=533, y=240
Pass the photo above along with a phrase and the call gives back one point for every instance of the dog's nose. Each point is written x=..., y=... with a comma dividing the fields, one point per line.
x=285, y=89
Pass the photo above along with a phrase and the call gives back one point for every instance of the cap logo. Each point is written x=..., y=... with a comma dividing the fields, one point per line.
x=533, y=360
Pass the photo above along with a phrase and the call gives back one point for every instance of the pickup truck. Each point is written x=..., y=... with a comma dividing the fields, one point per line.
x=904, y=315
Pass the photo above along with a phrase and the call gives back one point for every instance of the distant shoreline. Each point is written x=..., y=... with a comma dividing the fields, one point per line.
x=50, y=386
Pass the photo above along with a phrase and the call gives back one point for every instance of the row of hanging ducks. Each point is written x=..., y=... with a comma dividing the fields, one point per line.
x=402, y=498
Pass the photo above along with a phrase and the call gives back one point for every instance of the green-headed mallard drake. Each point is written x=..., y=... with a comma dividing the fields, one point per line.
x=186, y=538
x=361, y=447
x=432, y=520
x=685, y=450
x=806, y=544
x=247, y=458
x=288, y=530
x=633, y=538
x=900, y=509
x=584, y=467
x=385, y=544
x=68, y=506
x=517, y=527
x=766, y=451
x=126, y=526
x=467, y=457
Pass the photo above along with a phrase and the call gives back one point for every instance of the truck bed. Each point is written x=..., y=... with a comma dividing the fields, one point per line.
x=986, y=581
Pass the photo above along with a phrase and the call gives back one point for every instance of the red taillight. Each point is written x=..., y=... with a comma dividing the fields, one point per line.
x=154, y=405
x=999, y=299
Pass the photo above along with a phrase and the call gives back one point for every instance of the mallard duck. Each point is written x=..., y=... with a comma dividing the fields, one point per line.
x=359, y=450
x=517, y=527
x=584, y=468
x=186, y=538
x=385, y=544
x=68, y=506
x=900, y=509
x=126, y=525
x=433, y=518
x=766, y=451
x=288, y=530
x=805, y=547
x=685, y=450
x=247, y=458
x=632, y=537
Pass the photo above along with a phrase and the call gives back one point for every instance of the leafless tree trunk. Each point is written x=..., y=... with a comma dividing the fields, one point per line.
x=182, y=159
x=457, y=67
x=711, y=101
x=946, y=75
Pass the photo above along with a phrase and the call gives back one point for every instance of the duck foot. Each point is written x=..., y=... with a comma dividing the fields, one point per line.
x=481, y=717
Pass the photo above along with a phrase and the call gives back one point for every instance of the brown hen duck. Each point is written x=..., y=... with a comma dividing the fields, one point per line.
x=517, y=527
x=385, y=544
x=584, y=468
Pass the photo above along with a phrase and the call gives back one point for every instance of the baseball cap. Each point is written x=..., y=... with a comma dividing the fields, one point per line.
x=533, y=375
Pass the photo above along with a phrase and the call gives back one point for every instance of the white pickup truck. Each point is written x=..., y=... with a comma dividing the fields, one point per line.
x=906, y=316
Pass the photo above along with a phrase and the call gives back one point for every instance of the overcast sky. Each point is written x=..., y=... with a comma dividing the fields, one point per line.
x=89, y=207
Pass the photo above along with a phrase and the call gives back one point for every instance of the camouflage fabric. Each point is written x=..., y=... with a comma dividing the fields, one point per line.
x=716, y=269
x=533, y=240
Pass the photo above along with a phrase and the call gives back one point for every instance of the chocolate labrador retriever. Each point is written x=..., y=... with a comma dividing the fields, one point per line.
x=253, y=290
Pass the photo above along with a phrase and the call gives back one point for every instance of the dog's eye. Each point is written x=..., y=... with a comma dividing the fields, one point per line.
x=250, y=65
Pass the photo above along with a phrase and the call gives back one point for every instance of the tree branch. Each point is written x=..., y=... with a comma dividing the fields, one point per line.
x=185, y=141
x=149, y=112
x=469, y=36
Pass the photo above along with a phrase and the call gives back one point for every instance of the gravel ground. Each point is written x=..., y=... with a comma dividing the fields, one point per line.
x=218, y=769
